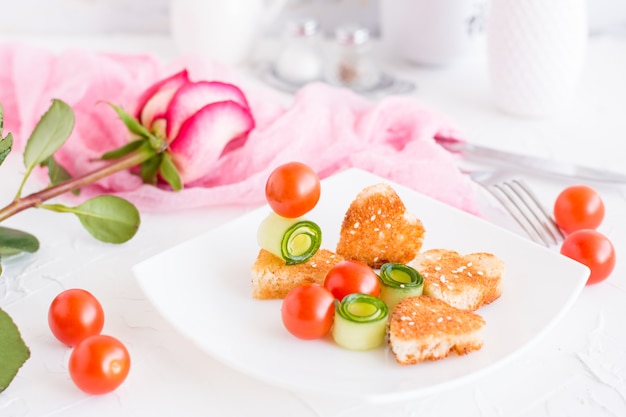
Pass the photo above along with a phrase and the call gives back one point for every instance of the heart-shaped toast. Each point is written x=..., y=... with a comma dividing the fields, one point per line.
x=425, y=328
x=463, y=281
x=377, y=229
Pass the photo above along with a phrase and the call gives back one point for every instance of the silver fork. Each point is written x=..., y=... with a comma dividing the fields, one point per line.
x=522, y=204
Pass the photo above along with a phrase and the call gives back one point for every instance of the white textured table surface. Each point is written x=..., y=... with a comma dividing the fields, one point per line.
x=578, y=369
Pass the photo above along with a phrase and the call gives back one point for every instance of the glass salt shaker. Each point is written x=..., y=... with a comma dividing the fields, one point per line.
x=350, y=64
x=299, y=60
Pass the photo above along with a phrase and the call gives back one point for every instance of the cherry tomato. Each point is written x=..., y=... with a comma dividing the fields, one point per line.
x=593, y=249
x=74, y=315
x=99, y=364
x=578, y=207
x=292, y=189
x=349, y=277
x=308, y=311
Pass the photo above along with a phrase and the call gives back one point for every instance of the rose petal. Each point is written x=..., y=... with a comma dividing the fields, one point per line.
x=192, y=97
x=154, y=101
x=204, y=136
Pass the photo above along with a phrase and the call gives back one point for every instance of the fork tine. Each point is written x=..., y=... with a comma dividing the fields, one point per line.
x=518, y=199
x=502, y=192
x=546, y=220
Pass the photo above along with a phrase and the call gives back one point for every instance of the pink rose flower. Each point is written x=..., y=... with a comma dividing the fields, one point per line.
x=196, y=120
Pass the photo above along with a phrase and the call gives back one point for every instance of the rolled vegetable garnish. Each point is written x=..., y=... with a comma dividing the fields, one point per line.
x=294, y=240
x=399, y=281
x=360, y=322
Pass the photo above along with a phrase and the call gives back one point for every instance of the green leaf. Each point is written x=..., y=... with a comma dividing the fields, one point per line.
x=169, y=172
x=133, y=124
x=150, y=169
x=157, y=143
x=5, y=146
x=1, y=119
x=123, y=150
x=108, y=218
x=57, y=173
x=6, y=143
x=13, y=350
x=14, y=241
x=51, y=132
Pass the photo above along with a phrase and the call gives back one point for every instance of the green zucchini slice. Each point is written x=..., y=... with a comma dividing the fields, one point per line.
x=398, y=281
x=360, y=322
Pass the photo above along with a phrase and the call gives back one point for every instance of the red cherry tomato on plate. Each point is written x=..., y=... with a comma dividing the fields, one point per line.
x=593, y=249
x=578, y=207
x=308, y=311
x=99, y=364
x=292, y=189
x=74, y=315
x=349, y=277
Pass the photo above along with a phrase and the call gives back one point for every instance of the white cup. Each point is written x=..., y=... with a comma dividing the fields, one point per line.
x=223, y=30
x=431, y=32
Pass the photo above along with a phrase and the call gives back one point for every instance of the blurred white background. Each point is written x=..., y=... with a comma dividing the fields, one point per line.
x=93, y=17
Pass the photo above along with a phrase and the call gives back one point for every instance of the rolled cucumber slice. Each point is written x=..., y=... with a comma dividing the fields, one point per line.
x=360, y=322
x=294, y=240
x=398, y=281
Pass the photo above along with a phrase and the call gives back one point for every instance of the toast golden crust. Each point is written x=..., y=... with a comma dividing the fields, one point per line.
x=464, y=281
x=425, y=328
x=377, y=228
x=272, y=278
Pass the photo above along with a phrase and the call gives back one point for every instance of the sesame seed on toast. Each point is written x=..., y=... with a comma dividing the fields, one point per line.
x=464, y=281
x=272, y=278
x=424, y=328
x=377, y=228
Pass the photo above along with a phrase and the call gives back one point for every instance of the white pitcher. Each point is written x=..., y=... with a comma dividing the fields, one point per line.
x=223, y=30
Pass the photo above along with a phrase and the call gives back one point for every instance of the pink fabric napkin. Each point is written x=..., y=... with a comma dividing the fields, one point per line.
x=326, y=127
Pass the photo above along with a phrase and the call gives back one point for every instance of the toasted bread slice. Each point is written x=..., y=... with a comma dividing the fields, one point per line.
x=377, y=228
x=425, y=328
x=272, y=278
x=464, y=281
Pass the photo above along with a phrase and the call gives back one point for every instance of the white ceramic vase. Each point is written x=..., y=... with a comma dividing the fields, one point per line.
x=536, y=51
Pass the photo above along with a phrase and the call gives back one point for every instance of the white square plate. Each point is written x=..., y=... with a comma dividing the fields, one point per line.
x=203, y=288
